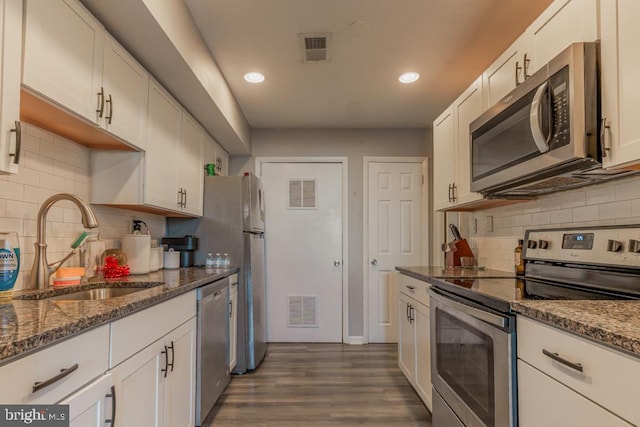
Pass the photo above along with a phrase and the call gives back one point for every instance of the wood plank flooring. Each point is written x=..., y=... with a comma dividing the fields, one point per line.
x=322, y=385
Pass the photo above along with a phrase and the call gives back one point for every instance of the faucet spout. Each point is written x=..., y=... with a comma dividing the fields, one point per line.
x=41, y=270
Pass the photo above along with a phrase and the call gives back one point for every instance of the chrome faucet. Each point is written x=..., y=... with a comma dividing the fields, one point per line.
x=42, y=270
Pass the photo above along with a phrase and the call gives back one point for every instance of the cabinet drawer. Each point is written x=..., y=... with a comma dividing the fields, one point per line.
x=606, y=372
x=134, y=332
x=414, y=288
x=89, y=350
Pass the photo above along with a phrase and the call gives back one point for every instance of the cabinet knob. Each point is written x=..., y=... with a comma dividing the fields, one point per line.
x=634, y=246
x=614, y=246
x=336, y=263
x=374, y=262
x=532, y=244
x=543, y=244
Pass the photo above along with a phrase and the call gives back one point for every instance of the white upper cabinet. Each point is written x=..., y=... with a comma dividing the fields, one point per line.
x=11, y=33
x=216, y=155
x=620, y=64
x=191, y=169
x=507, y=71
x=63, y=45
x=564, y=22
x=161, y=158
x=444, y=153
x=72, y=61
x=452, y=148
x=126, y=87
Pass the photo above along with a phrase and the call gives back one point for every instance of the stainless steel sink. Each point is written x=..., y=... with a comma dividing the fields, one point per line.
x=97, y=294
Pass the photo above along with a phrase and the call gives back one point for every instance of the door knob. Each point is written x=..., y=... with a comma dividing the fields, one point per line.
x=336, y=263
x=374, y=262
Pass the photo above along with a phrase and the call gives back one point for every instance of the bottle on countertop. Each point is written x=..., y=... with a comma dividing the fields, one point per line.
x=209, y=262
x=217, y=260
x=226, y=261
x=518, y=261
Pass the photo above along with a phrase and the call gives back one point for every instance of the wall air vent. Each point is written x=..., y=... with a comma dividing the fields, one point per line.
x=315, y=47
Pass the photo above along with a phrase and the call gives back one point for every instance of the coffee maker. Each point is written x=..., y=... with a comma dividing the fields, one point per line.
x=187, y=245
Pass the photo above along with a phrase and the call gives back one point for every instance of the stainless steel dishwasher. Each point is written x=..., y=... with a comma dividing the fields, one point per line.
x=212, y=364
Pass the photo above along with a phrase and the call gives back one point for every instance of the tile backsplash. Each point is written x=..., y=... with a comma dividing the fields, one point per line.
x=51, y=164
x=612, y=203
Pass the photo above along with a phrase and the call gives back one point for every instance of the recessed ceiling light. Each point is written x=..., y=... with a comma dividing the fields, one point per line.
x=409, y=77
x=254, y=77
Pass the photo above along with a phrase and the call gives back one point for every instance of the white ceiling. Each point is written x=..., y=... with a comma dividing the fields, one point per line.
x=449, y=42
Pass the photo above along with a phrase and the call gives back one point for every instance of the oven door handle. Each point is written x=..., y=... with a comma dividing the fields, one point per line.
x=485, y=316
x=535, y=119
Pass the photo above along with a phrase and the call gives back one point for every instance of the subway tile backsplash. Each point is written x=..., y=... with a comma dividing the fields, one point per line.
x=51, y=164
x=612, y=203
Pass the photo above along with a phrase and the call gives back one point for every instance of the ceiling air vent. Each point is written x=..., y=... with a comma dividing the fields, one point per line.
x=315, y=47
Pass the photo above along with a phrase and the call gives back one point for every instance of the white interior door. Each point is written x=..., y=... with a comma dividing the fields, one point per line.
x=303, y=238
x=395, y=239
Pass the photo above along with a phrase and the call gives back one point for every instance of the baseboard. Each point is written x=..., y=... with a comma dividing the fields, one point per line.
x=353, y=340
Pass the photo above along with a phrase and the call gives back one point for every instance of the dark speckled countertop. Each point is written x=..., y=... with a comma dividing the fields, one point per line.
x=28, y=324
x=426, y=272
x=613, y=323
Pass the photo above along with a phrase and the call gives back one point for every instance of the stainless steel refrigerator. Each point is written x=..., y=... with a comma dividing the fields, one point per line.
x=233, y=222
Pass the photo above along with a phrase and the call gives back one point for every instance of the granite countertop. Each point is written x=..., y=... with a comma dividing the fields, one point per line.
x=427, y=272
x=612, y=323
x=30, y=322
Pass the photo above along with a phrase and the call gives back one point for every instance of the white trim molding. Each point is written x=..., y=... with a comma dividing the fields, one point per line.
x=356, y=340
x=345, y=222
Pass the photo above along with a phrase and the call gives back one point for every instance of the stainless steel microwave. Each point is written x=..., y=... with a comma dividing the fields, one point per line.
x=544, y=136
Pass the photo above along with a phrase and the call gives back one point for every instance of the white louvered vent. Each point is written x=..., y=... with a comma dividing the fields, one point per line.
x=315, y=47
x=302, y=311
x=302, y=194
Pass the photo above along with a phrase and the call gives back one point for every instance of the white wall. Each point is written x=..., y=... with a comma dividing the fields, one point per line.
x=354, y=144
x=613, y=203
x=51, y=164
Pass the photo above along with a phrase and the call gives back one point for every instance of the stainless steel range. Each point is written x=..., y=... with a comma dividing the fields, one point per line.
x=473, y=351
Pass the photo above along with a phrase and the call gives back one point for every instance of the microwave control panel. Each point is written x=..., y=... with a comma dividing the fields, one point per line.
x=559, y=94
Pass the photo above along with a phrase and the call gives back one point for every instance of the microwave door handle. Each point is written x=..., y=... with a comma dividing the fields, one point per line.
x=535, y=120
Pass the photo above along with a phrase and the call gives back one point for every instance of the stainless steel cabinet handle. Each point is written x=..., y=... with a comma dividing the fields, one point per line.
x=166, y=361
x=112, y=395
x=518, y=68
x=184, y=204
x=374, y=262
x=603, y=133
x=408, y=308
x=450, y=193
x=110, y=116
x=555, y=356
x=230, y=309
x=411, y=288
x=454, y=187
x=18, y=131
x=411, y=316
x=100, y=108
x=63, y=373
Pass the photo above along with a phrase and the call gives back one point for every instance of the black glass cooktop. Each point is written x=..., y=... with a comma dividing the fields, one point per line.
x=498, y=293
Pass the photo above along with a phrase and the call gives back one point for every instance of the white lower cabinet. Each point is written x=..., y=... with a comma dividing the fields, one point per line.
x=93, y=405
x=573, y=379
x=414, y=350
x=156, y=387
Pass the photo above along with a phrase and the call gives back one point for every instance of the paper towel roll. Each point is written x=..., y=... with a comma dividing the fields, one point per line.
x=137, y=247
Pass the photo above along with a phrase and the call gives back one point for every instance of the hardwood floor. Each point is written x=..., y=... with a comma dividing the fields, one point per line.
x=322, y=385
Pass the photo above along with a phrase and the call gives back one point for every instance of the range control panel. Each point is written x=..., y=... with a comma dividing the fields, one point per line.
x=618, y=246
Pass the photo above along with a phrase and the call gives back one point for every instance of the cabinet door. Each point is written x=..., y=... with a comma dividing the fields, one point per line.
x=562, y=23
x=126, y=86
x=443, y=159
x=63, y=46
x=139, y=387
x=222, y=162
x=191, y=178
x=507, y=71
x=11, y=32
x=180, y=383
x=423, y=353
x=406, y=338
x=161, y=158
x=467, y=108
x=542, y=401
x=93, y=405
x=620, y=63
x=233, y=326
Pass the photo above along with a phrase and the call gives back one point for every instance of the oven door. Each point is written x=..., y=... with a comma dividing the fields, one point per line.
x=472, y=361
